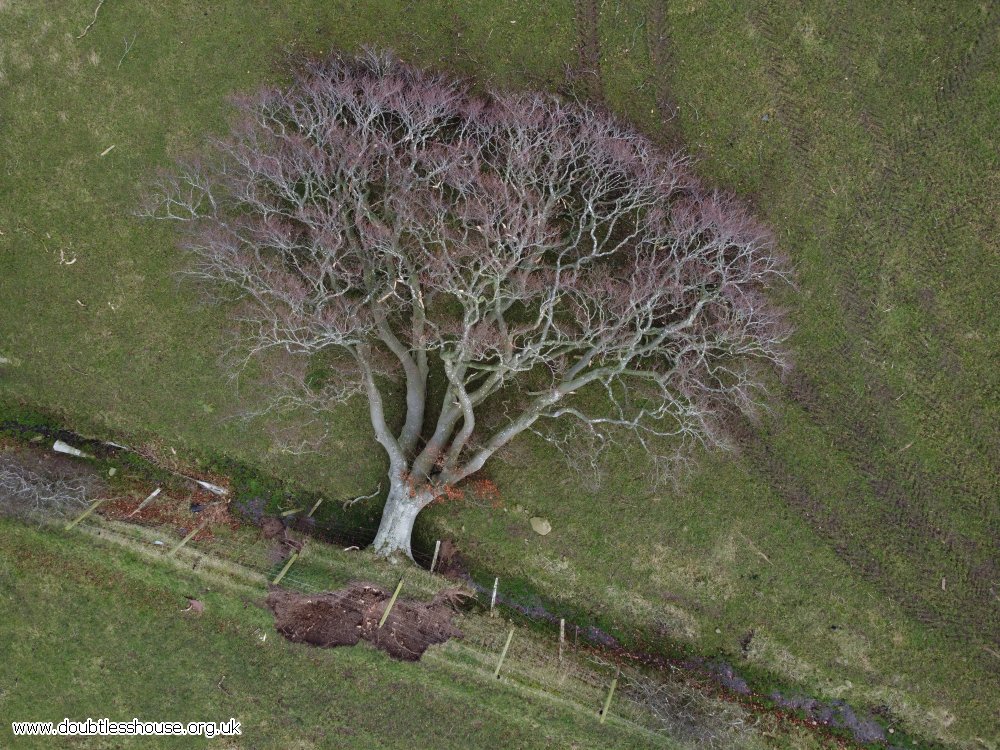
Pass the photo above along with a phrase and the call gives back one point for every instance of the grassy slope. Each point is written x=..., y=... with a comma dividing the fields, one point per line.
x=99, y=632
x=864, y=136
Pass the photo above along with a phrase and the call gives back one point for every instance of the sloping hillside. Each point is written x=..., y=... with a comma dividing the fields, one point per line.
x=855, y=533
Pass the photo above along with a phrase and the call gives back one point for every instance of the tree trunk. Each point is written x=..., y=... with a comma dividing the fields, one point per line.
x=396, y=528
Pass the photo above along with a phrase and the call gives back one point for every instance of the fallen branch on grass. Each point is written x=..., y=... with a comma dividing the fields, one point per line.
x=349, y=503
x=754, y=547
x=128, y=48
x=89, y=25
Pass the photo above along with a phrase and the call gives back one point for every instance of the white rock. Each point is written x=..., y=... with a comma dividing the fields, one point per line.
x=540, y=525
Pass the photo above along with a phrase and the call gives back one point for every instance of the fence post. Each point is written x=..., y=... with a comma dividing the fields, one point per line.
x=437, y=548
x=144, y=503
x=388, y=607
x=277, y=579
x=493, y=599
x=562, y=637
x=188, y=538
x=611, y=692
x=85, y=513
x=503, y=654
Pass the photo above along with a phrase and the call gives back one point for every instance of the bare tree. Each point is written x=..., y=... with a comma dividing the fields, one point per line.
x=385, y=221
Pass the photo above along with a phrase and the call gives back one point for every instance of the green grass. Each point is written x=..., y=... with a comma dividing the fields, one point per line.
x=99, y=632
x=865, y=134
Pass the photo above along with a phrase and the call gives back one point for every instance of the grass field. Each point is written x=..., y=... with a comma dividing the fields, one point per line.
x=101, y=632
x=856, y=531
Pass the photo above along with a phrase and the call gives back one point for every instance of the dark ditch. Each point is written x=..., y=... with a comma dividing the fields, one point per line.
x=350, y=615
x=754, y=692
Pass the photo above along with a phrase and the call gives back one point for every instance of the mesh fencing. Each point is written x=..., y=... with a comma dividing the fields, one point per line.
x=502, y=641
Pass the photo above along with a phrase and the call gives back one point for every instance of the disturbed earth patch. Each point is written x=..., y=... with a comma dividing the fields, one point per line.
x=352, y=614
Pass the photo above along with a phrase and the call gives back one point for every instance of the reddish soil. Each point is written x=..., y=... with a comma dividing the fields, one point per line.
x=450, y=562
x=272, y=528
x=345, y=617
x=283, y=541
x=176, y=512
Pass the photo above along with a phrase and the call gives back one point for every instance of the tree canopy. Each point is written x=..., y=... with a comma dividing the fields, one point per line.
x=393, y=221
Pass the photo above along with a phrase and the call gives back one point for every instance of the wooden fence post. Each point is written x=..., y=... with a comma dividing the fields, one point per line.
x=85, y=513
x=188, y=538
x=277, y=579
x=392, y=601
x=562, y=637
x=503, y=654
x=144, y=503
x=437, y=548
x=611, y=692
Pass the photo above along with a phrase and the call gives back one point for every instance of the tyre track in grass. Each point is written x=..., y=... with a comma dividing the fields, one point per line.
x=974, y=60
x=661, y=57
x=901, y=159
x=805, y=391
x=588, y=71
x=906, y=491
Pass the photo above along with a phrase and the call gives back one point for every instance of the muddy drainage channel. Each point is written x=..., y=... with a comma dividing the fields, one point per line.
x=836, y=719
x=215, y=475
x=352, y=614
x=73, y=444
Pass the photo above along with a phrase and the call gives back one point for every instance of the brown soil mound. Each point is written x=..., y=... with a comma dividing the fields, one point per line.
x=342, y=618
x=272, y=528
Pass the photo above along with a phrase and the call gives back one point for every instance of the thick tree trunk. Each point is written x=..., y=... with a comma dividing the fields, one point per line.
x=393, y=537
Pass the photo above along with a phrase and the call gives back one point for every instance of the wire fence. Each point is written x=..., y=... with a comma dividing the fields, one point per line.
x=502, y=641
x=317, y=569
